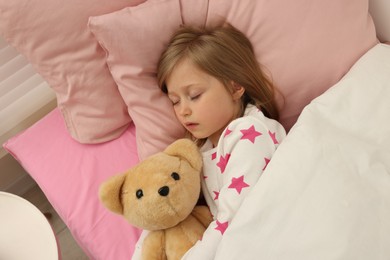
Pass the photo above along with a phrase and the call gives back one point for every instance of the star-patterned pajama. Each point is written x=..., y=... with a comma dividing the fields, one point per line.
x=231, y=169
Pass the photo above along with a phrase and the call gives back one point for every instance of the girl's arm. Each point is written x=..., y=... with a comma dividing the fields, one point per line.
x=244, y=152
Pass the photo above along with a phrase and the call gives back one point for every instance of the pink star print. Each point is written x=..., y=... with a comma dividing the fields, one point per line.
x=266, y=162
x=222, y=226
x=216, y=195
x=223, y=161
x=213, y=156
x=250, y=134
x=238, y=184
x=227, y=132
x=273, y=137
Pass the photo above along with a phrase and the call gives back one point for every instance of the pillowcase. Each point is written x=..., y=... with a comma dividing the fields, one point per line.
x=53, y=35
x=70, y=173
x=133, y=49
x=306, y=45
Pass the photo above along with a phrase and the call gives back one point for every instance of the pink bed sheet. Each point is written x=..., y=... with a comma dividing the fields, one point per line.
x=69, y=173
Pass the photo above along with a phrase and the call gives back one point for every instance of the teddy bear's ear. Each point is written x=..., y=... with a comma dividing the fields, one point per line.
x=110, y=193
x=187, y=150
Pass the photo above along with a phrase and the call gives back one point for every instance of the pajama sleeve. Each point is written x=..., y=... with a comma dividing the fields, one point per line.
x=244, y=150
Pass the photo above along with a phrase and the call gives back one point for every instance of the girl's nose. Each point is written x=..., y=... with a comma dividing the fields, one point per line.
x=185, y=110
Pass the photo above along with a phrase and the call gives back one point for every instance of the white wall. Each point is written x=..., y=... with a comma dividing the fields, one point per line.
x=380, y=12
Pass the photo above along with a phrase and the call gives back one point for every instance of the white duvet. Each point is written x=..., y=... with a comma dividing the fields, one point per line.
x=326, y=192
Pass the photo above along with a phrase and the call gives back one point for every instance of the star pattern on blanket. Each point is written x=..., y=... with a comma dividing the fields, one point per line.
x=222, y=226
x=223, y=160
x=238, y=184
x=250, y=134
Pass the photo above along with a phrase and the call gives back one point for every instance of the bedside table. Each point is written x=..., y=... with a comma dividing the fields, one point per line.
x=25, y=233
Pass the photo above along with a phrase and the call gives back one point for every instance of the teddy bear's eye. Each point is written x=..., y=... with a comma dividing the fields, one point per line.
x=139, y=193
x=175, y=176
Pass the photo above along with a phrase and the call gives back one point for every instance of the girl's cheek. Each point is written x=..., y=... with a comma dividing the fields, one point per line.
x=177, y=113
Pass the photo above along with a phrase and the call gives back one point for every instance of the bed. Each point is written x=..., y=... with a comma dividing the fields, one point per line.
x=326, y=192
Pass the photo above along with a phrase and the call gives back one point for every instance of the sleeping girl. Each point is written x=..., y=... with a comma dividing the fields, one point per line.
x=224, y=100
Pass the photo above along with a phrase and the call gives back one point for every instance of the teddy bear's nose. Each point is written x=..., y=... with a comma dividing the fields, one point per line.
x=163, y=191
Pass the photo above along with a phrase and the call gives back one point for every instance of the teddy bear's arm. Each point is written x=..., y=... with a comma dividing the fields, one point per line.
x=203, y=215
x=153, y=246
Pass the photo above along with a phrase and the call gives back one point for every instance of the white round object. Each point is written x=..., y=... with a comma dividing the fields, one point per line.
x=25, y=232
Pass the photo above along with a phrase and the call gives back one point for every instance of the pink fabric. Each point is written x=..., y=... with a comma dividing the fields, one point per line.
x=54, y=37
x=70, y=173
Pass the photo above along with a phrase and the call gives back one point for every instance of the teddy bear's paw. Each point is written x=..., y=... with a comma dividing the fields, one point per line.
x=203, y=215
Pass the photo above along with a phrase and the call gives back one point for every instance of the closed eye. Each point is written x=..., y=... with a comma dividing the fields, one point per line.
x=196, y=97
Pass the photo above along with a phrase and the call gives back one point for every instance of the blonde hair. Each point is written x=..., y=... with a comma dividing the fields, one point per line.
x=226, y=54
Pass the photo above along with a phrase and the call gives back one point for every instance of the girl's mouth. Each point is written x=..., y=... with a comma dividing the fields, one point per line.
x=191, y=125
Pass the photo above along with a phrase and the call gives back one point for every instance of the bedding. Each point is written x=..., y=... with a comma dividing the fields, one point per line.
x=304, y=197
x=326, y=192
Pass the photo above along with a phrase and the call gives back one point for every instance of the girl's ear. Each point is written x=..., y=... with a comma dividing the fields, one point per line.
x=238, y=91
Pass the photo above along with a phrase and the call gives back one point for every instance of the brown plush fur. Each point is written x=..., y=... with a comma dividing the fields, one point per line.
x=165, y=204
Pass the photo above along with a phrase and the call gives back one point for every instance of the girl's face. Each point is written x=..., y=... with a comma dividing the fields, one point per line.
x=203, y=105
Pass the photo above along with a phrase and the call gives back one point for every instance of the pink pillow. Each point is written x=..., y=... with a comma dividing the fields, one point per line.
x=54, y=37
x=133, y=39
x=306, y=45
x=70, y=173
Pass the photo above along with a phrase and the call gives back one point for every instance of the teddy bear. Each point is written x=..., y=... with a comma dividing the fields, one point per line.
x=160, y=194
